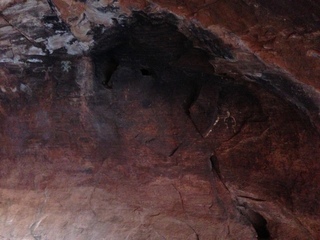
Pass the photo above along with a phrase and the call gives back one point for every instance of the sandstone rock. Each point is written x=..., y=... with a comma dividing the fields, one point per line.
x=159, y=120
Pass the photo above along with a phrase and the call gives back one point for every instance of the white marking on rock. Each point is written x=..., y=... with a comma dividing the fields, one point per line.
x=3, y=89
x=65, y=66
x=35, y=51
x=26, y=89
x=13, y=89
x=58, y=41
x=34, y=60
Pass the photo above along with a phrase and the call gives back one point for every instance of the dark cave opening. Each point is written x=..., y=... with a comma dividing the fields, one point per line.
x=259, y=223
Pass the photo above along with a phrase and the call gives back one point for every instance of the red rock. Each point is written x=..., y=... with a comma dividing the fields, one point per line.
x=159, y=120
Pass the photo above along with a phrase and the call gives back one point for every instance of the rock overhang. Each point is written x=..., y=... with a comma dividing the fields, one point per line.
x=80, y=28
x=223, y=122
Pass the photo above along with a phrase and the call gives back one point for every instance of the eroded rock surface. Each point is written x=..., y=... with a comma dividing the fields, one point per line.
x=158, y=120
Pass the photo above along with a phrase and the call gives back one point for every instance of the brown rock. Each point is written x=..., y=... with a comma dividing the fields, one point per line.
x=159, y=120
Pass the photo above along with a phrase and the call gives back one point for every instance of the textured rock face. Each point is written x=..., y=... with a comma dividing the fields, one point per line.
x=159, y=120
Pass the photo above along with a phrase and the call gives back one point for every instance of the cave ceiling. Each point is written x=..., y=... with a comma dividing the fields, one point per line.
x=159, y=119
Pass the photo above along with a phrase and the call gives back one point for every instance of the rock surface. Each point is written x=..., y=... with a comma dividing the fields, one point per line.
x=159, y=119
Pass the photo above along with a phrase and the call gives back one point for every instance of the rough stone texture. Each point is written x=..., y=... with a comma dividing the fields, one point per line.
x=159, y=119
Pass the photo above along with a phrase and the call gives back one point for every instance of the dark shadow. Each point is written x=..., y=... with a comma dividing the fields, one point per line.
x=258, y=222
x=146, y=72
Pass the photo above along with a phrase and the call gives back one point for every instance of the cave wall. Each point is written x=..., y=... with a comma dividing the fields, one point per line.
x=159, y=120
